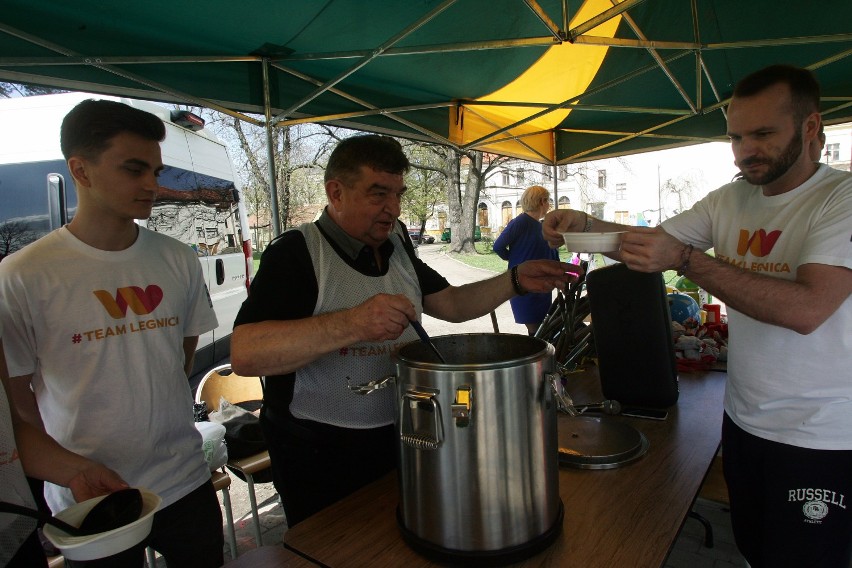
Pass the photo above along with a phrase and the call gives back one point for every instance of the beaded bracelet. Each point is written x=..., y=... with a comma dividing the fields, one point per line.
x=516, y=284
x=684, y=259
x=589, y=220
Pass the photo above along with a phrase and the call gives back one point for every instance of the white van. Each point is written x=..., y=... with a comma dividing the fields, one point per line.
x=198, y=202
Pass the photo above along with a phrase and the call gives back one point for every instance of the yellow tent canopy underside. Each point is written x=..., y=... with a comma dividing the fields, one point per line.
x=567, y=69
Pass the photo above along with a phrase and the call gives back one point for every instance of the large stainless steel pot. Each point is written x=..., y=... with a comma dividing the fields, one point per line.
x=478, y=465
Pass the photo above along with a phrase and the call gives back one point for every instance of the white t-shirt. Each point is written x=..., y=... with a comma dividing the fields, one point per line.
x=102, y=334
x=14, y=529
x=783, y=386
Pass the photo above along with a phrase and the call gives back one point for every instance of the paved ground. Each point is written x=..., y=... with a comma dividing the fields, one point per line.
x=458, y=273
x=689, y=550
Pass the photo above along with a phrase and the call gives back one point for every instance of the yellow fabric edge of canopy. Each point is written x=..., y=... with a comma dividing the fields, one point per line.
x=565, y=71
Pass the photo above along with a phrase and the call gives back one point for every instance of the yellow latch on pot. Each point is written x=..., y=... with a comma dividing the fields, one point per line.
x=461, y=408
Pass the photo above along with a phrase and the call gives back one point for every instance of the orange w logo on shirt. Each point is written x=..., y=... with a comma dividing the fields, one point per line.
x=759, y=243
x=141, y=301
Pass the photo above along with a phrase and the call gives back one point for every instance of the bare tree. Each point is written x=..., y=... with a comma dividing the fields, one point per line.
x=426, y=182
x=14, y=235
x=8, y=90
x=678, y=194
x=300, y=153
x=592, y=185
x=462, y=204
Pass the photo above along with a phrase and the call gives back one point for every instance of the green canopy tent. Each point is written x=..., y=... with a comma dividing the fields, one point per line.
x=553, y=81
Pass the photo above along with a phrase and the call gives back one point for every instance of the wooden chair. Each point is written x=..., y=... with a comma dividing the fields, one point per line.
x=223, y=382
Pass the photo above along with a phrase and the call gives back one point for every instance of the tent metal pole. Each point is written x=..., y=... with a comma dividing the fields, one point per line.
x=575, y=106
x=592, y=23
x=662, y=64
x=541, y=41
x=94, y=62
x=270, y=153
x=558, y=34
x=518, y=138
x=428, y=133
x=123, y=59
x=365, y=60
x=555, y=170
x=361, y=113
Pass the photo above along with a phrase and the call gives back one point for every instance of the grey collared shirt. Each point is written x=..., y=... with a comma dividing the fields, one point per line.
x=360, y=255
x=348, y=244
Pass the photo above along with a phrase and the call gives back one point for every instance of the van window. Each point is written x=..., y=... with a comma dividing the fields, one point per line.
x=205, y=219
x=25, y=202
x=196, y=209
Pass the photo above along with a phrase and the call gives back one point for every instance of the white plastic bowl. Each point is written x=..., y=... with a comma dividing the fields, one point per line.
x=103, y=544
x=593, y=242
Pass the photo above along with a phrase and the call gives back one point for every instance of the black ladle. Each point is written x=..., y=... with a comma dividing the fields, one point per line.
x=113, y=511
x=424, y=337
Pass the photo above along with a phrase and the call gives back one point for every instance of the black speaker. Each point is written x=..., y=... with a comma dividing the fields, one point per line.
x=631, y=324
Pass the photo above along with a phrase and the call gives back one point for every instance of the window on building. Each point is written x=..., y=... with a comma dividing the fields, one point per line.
x=506, y=212
x=483, y=215
x=597, y=210
x=832, y=152
x=602, y=179
x=563, y=173
x=546, y=172
x=622, y=217
x=564, y=203
x=520, y=175
x=505, y=177
x=620, y=191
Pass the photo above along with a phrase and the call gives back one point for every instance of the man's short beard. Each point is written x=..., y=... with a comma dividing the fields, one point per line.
x=779, y=166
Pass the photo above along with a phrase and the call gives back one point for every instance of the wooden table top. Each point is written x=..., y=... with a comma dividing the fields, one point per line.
x=624, y=517
x=269, y=557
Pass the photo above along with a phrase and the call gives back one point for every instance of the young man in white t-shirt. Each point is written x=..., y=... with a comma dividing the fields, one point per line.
x=782, y=238
x=102, y=318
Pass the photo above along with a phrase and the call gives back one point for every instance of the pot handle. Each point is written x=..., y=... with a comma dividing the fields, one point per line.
x=563, y=399
x=419, y=441
x=372, y=386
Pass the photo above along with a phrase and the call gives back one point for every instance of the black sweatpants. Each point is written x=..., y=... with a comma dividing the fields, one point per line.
x=790, y=506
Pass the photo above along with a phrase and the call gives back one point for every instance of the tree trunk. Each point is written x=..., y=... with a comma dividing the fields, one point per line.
x=473, y=188
x=454, y=195
x=284, y=171
x=462, y=204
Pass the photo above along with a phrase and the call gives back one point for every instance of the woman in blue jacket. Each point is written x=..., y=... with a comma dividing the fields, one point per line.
x=522, y=240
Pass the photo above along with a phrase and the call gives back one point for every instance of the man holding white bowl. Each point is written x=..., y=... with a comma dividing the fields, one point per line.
x=783, y=266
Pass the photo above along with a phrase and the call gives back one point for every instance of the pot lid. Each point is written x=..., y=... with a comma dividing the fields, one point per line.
x=587, y=442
